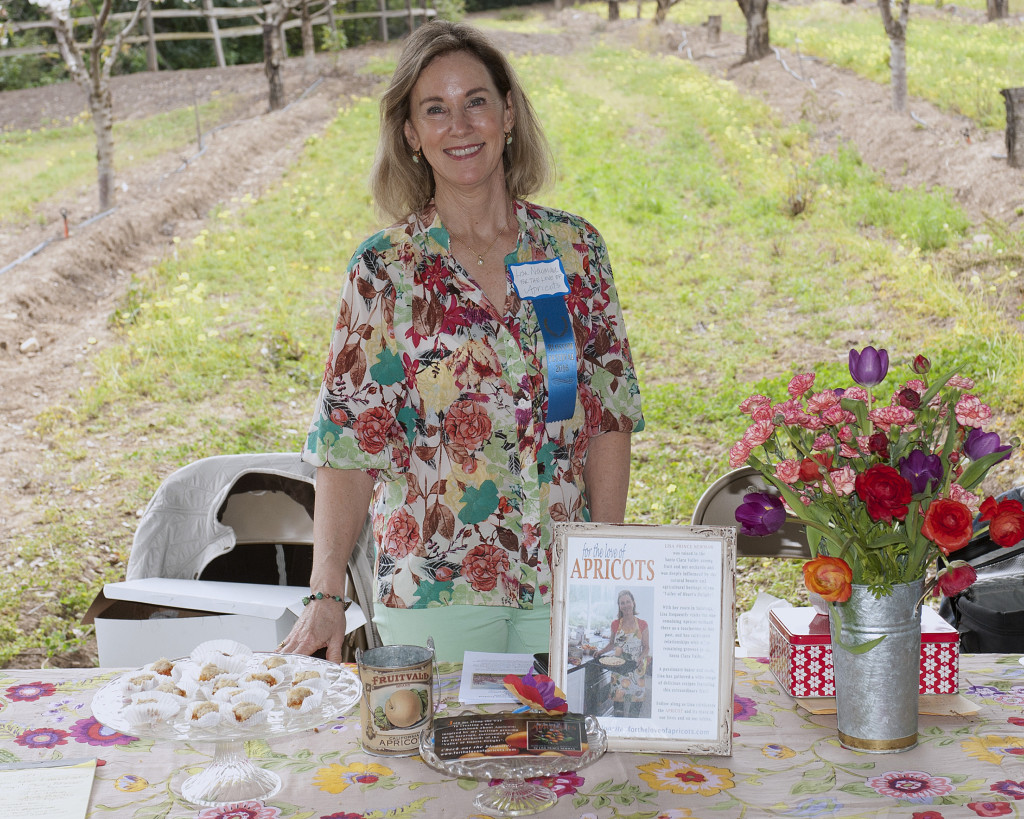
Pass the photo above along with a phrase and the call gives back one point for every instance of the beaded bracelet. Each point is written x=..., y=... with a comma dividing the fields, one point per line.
x=320, y=596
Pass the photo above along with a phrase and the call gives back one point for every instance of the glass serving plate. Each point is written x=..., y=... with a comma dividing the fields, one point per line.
x=232, y=776
x=514, y=796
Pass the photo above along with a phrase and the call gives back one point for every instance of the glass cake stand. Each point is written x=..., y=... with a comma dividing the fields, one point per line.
x=514, y=796
x=232, y=776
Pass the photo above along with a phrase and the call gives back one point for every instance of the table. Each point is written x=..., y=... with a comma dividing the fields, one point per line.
x=786, y=762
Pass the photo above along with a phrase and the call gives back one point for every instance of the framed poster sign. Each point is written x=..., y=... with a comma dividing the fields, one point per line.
x=643, y=632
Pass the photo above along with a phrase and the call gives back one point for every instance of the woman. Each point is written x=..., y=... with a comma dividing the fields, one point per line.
x=631, y=642
x=446, y=406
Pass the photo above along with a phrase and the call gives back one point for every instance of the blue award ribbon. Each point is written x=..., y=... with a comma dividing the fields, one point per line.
x=544, y=284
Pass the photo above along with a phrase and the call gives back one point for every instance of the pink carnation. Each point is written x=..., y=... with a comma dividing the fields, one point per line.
x=837, y=415
x=800, y=384
x=821, y=401
x=763, y=413
x=847, y=451
x=959, y=382
x=856, y=394
x=738, y=454
x=788, y=471
x=825, y=441
x=864, y=443
x=845, y=434
x=887, y=417
x=792, y=411
x=757, y=433
x=917, y=385
x=813, y=422
x=843, y=480
x=748, y=405
x=968, y=499
x=970, y=412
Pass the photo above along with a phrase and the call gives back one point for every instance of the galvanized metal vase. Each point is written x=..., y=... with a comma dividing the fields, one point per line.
x=876, y=691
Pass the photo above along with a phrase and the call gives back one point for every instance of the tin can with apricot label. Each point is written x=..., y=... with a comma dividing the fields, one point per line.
x=398, y=697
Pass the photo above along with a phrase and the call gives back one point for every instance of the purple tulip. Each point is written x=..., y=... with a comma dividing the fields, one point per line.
x=924, y=472
x=760, y=514
x=869, y=366
x=978, y=444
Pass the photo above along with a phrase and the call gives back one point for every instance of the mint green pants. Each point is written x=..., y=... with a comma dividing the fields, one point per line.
x=457, y=629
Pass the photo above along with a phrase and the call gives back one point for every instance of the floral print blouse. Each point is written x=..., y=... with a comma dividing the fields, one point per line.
x=441, y=398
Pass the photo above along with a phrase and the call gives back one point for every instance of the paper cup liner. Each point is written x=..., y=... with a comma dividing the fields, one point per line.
x=249, y=713
x=172, y=689
x=308, y=676
x=227, y=693
x=140, y=681
x=252, y=695
x=212, y=664
x=222, y=648
x=263, y=679
x=296, y=701
x=168, y=669
x=150, y=708
x=275, y=661
x=208, y=714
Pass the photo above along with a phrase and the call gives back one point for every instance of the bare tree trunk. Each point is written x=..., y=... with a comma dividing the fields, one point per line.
x=613, y=10
x=662, y=11
x=714, y=25
x=758, y=44
x=1014, y=98
x=272, y=64
x=997, y=9
x=94, y=80
x=308, y=48
x=896, y=28
x=101, y=104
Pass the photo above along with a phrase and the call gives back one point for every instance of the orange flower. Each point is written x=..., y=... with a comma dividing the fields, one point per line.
x=830, y=577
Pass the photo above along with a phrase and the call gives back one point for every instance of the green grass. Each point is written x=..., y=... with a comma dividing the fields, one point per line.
x=46, y=162
x=740, y=258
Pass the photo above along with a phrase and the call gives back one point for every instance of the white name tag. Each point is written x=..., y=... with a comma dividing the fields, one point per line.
x=535, y=279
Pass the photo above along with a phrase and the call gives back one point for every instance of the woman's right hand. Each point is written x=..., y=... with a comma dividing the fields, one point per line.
x=322, y=625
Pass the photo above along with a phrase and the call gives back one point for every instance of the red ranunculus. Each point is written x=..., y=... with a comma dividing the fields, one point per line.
x=956, y=577
x=885, y=492
x=878, y=443
x=830, y=577
x=810, y=468
x=1006, y=520
x=948, y=524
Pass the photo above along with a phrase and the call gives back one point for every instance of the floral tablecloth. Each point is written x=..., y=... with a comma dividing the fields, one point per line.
x=786, y=762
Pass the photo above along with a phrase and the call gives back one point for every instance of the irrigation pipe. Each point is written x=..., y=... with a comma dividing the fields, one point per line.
x=778, y=56
x=43, y=245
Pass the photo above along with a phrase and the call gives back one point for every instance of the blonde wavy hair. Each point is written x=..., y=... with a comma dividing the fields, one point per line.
x=401, y=186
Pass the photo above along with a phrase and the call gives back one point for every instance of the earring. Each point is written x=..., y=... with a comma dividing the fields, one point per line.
x=416, y=155
x=508, y=137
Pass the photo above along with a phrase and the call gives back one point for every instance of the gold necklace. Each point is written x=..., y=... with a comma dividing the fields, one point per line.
x=480, y=256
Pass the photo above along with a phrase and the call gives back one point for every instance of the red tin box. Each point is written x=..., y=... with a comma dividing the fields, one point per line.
x=800, y=653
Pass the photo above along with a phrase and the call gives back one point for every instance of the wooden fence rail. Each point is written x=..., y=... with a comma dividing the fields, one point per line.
x=212, y=14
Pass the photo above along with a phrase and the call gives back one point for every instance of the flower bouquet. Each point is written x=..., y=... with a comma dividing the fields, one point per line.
x=884, y=486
